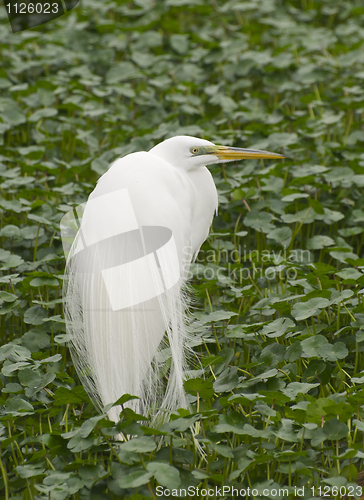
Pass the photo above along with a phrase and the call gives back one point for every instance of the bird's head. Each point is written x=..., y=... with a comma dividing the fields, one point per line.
x=189, y=153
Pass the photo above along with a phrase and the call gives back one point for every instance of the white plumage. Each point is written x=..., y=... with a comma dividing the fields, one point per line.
x=127, y=269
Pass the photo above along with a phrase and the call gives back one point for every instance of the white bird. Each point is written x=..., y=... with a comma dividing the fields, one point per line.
x=127, y=268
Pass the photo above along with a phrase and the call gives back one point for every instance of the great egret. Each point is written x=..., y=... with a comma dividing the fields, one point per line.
x=126, y=273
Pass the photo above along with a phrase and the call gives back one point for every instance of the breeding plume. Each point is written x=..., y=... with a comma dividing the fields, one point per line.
x=128, y=251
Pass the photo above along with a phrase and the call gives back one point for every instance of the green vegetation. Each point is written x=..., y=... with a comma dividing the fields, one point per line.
x=279, y=322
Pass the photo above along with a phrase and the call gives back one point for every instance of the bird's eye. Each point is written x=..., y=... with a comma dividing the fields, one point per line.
x=194, y=150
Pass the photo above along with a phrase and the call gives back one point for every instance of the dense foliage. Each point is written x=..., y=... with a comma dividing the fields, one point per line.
x=279, y=319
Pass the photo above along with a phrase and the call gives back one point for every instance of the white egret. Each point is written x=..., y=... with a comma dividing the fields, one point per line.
x=126, y=271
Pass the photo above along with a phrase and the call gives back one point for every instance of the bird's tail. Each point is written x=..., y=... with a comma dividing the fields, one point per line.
x=125, y=310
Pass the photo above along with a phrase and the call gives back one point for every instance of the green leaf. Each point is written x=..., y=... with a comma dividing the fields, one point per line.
x=234, y=422
x=12, y=261
x=315, y=368
x=35, y=340
x=227, y=380
x=7, y=297
x=338, y=174
x=203, y=387
x=182, y=424
x=336, y=481
x=281, y=139
x=304, y=310
x=319, y=346
x=91, y=473
x=77, y=395
x=295, y=388
x=318, y=242
x=294, y=196
x=179, y=43
x=286, y=431
x=121, y=401
x=29, y=378
x=317, y=409
x=294, y=352
x=44, y=281
x=29, y=470
x=135, y=478
x=42, y=113
x=335, y=429
x=282, y=236
x=350, y=273
x=33, y=152
x=166, y=475
x=10, y=231
x=223, y=450
x=260, y=221
x=318, y=208
x=277, y=328
x=337, y=297
x=11, y=114
x=78, y=443
x=121, y=72
x=35, y=315
x=333, y=352
x=88, y=426
x=18, y=406
x=143, y=444
x=14, y=352
x=313, y=345
x=217, y=316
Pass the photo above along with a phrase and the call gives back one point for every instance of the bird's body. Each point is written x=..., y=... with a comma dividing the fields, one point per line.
x=127, y=272
x=184, y=201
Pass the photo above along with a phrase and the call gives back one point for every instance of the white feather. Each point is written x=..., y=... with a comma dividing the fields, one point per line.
x=136, y=349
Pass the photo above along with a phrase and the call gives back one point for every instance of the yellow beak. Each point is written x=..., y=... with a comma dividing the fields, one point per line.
x=229, y=153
